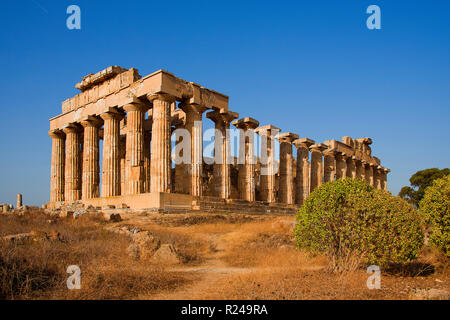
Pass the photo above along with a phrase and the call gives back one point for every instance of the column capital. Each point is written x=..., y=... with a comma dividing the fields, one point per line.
x=303, y=143
x=135, y=106
x=192, y=107
x=91, y=121
x=222, y=116
x=318, y=147
x=161, y=96
x=267, y=130
x=288, y=137
x=71, y=128
x=112, y=114
x=246, y=123
x=56, y=134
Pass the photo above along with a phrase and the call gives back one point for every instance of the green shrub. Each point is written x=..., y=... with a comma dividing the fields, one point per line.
x=352, y=223
x=436, y=207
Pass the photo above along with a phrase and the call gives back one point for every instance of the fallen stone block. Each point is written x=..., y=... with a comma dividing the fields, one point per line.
x=166, y=254
x=113, y=217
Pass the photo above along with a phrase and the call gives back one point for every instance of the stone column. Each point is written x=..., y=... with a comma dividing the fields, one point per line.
x=134, y=159
x=351, y=167
x=360, y=169
x=384, y=178
x=195, y=128
x=369, y=173
x=316, y=174
x=111, y=156
x=147, y=161
x=180, y=176
x=377, y=177
x=286, y=194
x=72, y=176
x=222, y=159
x=267, y=175
x=160, y=167
x=247, y=160
x=303, y=166
x=19, y=200
x=122, y=161
x=91, y=165
x=329, y=165
x=341, y=166
x=57, y=166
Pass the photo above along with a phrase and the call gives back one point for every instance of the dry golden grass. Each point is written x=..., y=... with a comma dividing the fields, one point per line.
x=223, y=258
x=38, y=269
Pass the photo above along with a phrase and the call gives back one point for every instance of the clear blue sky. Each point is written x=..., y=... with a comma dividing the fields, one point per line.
x=310, y=67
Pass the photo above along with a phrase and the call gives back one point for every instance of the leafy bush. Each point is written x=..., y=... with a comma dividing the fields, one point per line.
x=352, y=223
x=436, y=206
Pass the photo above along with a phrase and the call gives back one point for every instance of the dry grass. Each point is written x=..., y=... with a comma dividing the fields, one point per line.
x=38, y=269
x=244, y=258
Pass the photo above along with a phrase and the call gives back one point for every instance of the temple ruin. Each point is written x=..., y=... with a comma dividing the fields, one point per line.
x=135, y=117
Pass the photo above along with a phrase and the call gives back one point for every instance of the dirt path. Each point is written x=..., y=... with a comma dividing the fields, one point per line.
x=213, y=271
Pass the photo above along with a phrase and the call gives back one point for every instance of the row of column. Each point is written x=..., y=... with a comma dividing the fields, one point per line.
x=75, y=157
x=75, y=154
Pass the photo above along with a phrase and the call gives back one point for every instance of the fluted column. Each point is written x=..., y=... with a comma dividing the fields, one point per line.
x=122, y=161
x=222, y=120
x=147, y=161
x=160, y=168
x=341, y=166
x=360, y=169
x=351, y=167
x=111, y=157
x=247, y=160
x=134, y=159
x=91, y=165
x=268, y=169
x=377, y=177
x=303, y=166
x=195, y=128
x=181, y=168
x=369, y=173
x=316, y=174
x=72, y=176
x=329, y=166
x=57, y=165
x=286, y=194
x=384, y=173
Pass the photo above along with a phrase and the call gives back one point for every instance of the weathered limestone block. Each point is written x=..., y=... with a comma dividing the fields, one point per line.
x=286, y=193
x=166, y=254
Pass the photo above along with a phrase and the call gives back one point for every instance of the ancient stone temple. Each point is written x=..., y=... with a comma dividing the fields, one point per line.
x=111, y=146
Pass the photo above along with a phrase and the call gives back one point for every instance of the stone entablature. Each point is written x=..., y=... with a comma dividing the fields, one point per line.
x=136, y=116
